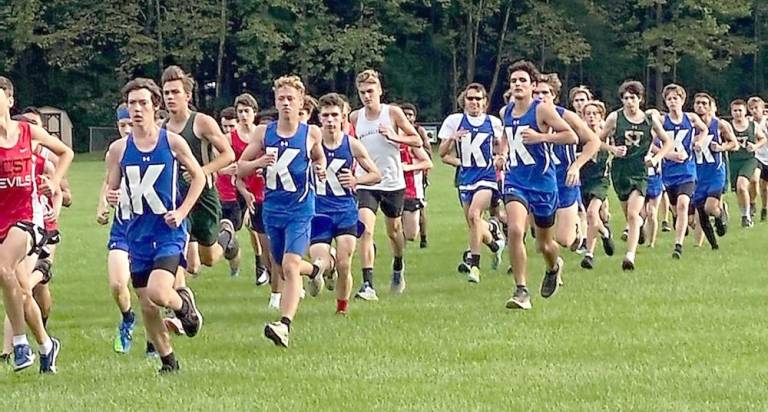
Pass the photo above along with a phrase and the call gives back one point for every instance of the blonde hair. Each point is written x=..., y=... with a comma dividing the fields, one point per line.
x=368, y=76
x=579, y=89
x=756, y=99
x=553, y=81
x=289, y=81
x=600, y=106
x=674, y=88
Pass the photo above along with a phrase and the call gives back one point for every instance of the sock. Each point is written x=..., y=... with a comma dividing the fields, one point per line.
x=128, y=316
x=678, y=246
x=45, y=347
x=474, y=260
x=706, y=226
x=589, y=255
x=554, y=268
x=368, y=276
x=341, y=305
x=523, y=287
x=631, y=256
x=285, y=321
x=257, y=260
x=423, y=238
x=745, y=211
x=20, y=340
x=150, y=347
x=397, y=263
x=168, y=359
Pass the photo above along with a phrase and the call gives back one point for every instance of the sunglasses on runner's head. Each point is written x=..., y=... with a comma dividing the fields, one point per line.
x=474, y=98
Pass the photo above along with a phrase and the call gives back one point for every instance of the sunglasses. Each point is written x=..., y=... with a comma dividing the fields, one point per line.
x=474, y=98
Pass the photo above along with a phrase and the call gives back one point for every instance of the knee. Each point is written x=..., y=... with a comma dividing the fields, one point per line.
x=474, y=217
x=516, y=232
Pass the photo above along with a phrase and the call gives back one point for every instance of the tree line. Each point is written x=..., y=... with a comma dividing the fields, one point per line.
x=76, y=54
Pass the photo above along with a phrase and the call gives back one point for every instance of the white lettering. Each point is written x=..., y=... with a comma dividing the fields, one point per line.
x=143, y=188
x=280, y=168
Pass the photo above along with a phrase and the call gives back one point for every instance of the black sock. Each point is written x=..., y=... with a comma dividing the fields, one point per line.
x=315, y=271
x=397, y=263
x=368, y=276
x=706, y=226
x=523, y=287
x=493, y=246
x=128, y=316
x=423, y=238
x=285, y=321
x=474, y=260
x=168, y=359
x=257, y=259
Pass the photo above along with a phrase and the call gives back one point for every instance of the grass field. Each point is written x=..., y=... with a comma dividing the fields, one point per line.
x=671, y=336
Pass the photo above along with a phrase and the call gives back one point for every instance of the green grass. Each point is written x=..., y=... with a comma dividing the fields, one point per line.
x=671, y=336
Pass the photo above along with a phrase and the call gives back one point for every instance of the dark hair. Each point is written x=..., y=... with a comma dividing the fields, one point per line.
x=524, y=66
x=632, y=87
x=247, y=100
x=32, y=109
x=228, y=113
x=332, y=99
x=739, y=102
x=143, y=83
x=704, y=95
x=270, y=114
x=172, y=73
x=22, y=118
x=409, y=106
x=310, y=104
x=7, y=85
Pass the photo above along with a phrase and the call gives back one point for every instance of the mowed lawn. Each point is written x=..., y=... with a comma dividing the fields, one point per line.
x=671, y=336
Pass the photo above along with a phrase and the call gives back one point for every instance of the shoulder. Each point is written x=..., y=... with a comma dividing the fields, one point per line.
x=206, y=122
x=454, y=118
x=314, y=131
x=117, y=148
x=355, y=113
x=495, y=121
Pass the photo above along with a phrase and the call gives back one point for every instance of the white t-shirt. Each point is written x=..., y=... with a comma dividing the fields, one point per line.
x=762, y=153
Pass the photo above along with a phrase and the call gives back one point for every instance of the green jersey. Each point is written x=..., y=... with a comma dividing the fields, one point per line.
x=637, y=138
x=743, y=137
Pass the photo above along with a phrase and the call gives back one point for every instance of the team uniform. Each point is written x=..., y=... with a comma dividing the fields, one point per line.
x=335, y=205
x=710, y=167
x=594, y=178
x=629, y=173
x=530, y=178
x=18, y=186
x=205, y=215
x=413, y=197
x=389, y=193
x=761, y=154
x=563, y=155
x=655, y=182
x=743, y=162
x=679, y=178
x=289, y=198
x=475, y=152
x=232, y=204
x=152, y=184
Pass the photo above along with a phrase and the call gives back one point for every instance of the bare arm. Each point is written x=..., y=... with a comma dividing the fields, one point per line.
x=728, y=137
x=561, y=132
x=210, y=131
x=316, y=150
x=102, y=209
x=184, y=155
x=422, y=161
x=372, y=174
x=114, y=174
x=759, y=137
x=667, y=144
x=64, y=153
x=586, y=137
x=409, y=136
x=253, y=156
x=702, y=128
x=425, y=141
x=609, y=129
x=447, y=154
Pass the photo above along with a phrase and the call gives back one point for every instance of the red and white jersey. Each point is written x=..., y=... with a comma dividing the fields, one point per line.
x=44, y=205
x=414, y=179
x=254, y=183
x=17, y=182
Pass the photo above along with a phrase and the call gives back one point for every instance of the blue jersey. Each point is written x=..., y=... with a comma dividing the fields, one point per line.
x=288, y=188
x=151, y=181
x=709, y=163
x=332, y=197
x=529, y=166
x=563, y=155
x=475, y=151
x=681, y=134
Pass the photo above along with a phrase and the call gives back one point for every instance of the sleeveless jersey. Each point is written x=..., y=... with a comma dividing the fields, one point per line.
x=563, y=155
x=596, y=168
x=384, y=153
x=225, y=184
x=151, y=180
x=45, y=202
x=414, y=187
x=762, y=153
x=289, y=189
x=743, y=137
x=201, y=148
x=637, y=139
x=529, y=166
x=475, y=151
x=682, y=136
x=17, y=181
x=332, y=197
x=709, y=163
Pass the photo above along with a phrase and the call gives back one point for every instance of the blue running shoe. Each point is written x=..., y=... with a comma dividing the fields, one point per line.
x=124, y=336
x=48, y=362
x=22, y=357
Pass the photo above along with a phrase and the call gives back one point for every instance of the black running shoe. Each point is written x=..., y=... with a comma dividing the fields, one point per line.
x=608, y=245
x=464, y=265
x=627, y=265
x=191, y=319
x=423, y=243
x=764, y=215
x=587, y=262
x=228, y=240
x=169, y=368
x=551, y=282
x=678, y=252
x=720, y=226
x=665, y=226
x=746, y=222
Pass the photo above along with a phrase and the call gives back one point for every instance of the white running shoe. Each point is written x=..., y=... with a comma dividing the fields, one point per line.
x=474, y=275
x=278, y=333
x=316, y=285
x=367, y=293
x=174, y=326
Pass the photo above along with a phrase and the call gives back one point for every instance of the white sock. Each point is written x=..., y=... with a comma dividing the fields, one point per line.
x=20, y=340
x=46, y=347
x=631, y=256
x=274, y=298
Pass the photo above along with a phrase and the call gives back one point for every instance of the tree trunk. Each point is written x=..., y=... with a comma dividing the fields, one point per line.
x=159, y=28
x=499, y=53
x=454, y=78
x=222, y=40
x=659, y=61
x=756, y=56
x=470, y=55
